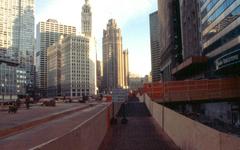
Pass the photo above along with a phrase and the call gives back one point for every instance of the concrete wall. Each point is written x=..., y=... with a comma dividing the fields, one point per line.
x=189, y=134
x=87, y=136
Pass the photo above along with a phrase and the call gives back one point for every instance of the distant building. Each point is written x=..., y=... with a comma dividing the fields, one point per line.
x=155, y=46
x=112, y=57
x=47, y=34
x=17, y=34
x=71, y=61
x=10, y=82
x=54, y=59
x=86, y=19
x=170, y=36
x=125, y=69
x=75, y=72
x=135, y=82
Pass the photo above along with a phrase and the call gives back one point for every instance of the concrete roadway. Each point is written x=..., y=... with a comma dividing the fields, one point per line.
x=34, y=113
x=37, y=135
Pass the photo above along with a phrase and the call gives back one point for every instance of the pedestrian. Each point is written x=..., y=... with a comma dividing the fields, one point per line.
x=27, y=102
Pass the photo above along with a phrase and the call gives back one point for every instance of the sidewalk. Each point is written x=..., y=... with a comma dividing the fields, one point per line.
x=140, y=133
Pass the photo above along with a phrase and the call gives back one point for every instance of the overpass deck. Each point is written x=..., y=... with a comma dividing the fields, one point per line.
x=140, y=133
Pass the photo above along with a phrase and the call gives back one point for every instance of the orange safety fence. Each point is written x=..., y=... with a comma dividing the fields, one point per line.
x=189, y=90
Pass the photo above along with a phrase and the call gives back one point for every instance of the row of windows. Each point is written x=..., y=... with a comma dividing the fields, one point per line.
x=217, y=13
x=223, y=40
x=223, y=24
x=208, y=8
x=79, y=94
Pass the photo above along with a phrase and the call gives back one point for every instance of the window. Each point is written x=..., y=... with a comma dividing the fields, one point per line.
x=222, y=24
x=217, y=13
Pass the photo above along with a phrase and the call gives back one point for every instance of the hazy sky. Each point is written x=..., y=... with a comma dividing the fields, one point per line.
x=132, y=17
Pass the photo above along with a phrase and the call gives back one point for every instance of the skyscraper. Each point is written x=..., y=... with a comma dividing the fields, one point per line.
x=86, y=19
x=112, y=57
x=86, y=23
x=125, y=69
x=99, y=74
x=17, y=34
x=47, y=34
x=155, y=46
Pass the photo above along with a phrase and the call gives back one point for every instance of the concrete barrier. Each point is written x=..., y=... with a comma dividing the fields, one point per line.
x=86, y=136
x=189, y=134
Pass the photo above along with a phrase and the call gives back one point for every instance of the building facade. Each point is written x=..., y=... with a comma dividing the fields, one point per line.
x=8, y=79
x=170, y=37
x=48, y=33
x=12, y=79
x=17, y=34
x=112, y=57
x=125, y=69
x=75, y=72
x=155, y=46
x=220, y=25
x=190, y=28
x=193, y=62
x=54, y=57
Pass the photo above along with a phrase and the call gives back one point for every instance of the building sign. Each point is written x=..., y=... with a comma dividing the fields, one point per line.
x=228, y=59
x=119, y=95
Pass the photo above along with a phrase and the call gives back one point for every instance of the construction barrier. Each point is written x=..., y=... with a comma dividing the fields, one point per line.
x=190, y=90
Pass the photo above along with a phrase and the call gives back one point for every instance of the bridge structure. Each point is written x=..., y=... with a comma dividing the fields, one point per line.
x=151, y=125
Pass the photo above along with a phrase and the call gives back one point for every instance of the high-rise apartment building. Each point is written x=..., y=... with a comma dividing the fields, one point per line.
x=125, y=69
x=47, y=34
x=112, y=57
x=86, y=19
x=75, y=72
x=220, y=24
x=155, y=46
x=17, y=34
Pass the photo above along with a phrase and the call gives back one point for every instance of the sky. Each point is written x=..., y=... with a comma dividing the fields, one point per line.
x=132, y=17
